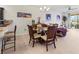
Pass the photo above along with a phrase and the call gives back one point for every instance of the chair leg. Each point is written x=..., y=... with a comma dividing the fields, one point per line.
x=29, y=40
x=15, y=44
x=2, y=48
x=54, y=45
x=33, y=43
x=46, y=46
x=56, y=39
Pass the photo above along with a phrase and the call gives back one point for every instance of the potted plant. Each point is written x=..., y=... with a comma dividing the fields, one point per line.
x=33, y=22
x=64, y=18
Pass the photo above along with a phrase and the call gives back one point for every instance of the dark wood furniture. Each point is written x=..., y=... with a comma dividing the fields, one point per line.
x=44, y=25
x=56, y=25
x=30, y=32
x=33, y=36
x=50, y=37
x=9, y=38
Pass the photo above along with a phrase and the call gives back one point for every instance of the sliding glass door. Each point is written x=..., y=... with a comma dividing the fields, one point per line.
x=74, y=21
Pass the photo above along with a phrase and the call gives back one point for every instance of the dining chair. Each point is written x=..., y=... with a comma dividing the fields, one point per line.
x=50, y=37
x=56, y=25
x=33, y=36
x=30, y=32
x=34, y=27
x=44, y=25
x=8, y=39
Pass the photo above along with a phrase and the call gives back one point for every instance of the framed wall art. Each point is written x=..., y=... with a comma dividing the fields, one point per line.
x=24, y=15
x=58, y=17
x=48, y=17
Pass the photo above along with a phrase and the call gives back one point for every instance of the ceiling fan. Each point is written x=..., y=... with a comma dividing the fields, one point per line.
x=70, y=8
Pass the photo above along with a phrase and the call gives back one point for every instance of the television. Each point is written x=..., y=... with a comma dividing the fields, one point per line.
x=1, y=15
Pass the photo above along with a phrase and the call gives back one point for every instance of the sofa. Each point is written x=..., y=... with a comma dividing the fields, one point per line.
x=61, y=32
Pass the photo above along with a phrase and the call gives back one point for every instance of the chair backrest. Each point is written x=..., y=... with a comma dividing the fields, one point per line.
x=44, y=25
x=15, y=29
x=56, y=25
x=51, y=32
x=30, y=31
x=34, y=26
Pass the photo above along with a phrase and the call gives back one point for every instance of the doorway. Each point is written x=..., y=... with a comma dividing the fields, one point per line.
x=74, y=21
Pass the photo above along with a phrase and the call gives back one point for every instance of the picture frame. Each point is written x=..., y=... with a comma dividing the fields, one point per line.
x=48, y=17
x=24, y=15
x=58, y=17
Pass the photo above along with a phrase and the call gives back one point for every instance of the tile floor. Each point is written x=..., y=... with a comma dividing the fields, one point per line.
x=65, y=45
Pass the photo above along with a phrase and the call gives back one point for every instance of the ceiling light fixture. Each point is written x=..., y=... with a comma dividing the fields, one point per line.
x=44, y=8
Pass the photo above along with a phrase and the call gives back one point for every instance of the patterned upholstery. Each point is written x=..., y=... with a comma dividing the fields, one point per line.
x=44, y=37
x=33, y=36
x=61, y=32
x=50, y=36
x=9, y=34
x=37, y=35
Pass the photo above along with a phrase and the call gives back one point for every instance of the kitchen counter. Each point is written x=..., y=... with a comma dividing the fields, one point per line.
x=6, y=23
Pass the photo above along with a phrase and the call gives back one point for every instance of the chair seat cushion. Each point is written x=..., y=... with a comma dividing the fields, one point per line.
x=9, y=35
x=9, y=32
x=37, y=35
x=44, y=37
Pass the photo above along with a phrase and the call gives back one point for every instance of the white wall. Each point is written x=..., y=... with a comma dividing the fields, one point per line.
x=10, y=13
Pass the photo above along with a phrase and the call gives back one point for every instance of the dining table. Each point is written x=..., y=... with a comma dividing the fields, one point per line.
x=43, y=31
x=40, y=30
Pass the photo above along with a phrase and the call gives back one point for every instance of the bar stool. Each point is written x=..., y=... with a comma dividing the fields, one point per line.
x=9, y=38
